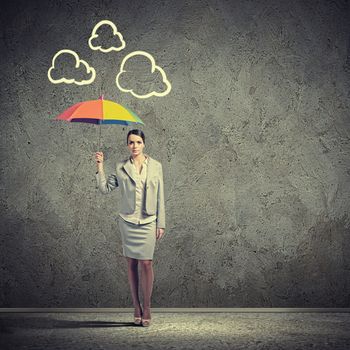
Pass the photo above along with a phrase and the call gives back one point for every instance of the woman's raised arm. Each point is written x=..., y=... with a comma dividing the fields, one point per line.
x=105, y=186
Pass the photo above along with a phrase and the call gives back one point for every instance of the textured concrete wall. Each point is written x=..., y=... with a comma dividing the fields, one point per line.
x=253, y=138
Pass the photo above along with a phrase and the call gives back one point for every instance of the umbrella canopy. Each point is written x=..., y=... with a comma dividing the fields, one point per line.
x=99, y=111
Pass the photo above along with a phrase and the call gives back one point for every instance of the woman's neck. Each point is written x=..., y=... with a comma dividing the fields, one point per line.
x=139, y=158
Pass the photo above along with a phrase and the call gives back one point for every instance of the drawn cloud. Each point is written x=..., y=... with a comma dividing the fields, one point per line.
x=154, y=70
x=78, y=63
x=94, y=36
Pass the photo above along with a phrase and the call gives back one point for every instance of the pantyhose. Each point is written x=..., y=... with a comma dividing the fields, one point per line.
x=147, y=278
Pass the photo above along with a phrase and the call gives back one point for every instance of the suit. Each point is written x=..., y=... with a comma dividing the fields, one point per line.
x=124, y=178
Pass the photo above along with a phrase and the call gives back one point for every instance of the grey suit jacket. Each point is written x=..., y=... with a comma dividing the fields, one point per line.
x=124, y=178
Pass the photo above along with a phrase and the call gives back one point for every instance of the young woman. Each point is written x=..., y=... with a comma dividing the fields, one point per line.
x=142, y=215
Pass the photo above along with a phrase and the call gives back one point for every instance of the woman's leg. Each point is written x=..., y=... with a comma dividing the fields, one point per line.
x=133, y=278
x=147, y=278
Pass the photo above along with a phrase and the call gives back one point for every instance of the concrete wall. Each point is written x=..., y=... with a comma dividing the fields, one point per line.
x=253, y=138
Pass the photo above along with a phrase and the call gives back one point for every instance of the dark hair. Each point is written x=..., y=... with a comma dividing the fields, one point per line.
x=137, y=132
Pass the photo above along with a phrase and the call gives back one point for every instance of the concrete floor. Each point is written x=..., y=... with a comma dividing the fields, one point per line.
x=175, y=331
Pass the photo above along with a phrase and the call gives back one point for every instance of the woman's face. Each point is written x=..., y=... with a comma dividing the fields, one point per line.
x=135, y=145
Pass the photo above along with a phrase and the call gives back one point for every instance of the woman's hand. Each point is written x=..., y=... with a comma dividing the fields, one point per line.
x=99, y=161
x=160, y=233
x=99, y=157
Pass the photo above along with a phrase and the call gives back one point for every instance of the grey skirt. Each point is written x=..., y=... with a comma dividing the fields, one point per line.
x=138, y=241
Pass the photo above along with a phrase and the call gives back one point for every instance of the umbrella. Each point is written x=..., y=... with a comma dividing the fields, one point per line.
x=99, y=111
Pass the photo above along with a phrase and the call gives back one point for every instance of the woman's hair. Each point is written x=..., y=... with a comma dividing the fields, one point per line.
x=137, y=132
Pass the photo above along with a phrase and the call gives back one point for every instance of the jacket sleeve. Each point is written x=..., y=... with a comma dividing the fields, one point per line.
x=106, y=186
x=160, y=201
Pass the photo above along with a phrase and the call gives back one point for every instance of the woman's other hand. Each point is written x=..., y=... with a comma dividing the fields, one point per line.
x=159, y=233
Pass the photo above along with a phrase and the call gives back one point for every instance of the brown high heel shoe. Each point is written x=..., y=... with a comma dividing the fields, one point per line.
x=146, y=322
x=138, y=319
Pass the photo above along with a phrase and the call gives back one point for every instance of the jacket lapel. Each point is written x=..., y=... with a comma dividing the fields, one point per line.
x=150, y=169
x=130, y=169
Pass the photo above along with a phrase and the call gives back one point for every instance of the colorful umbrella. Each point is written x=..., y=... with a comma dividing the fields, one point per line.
x=99, y=111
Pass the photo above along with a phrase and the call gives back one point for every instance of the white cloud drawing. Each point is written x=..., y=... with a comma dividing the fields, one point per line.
x=78, y=62
x=154, y=70
x=94, y=35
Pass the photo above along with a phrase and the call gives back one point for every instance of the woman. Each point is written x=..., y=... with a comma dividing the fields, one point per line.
x=142, y=216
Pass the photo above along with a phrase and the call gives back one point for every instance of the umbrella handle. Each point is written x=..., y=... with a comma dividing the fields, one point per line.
x=99, y=139
x=100, y=122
